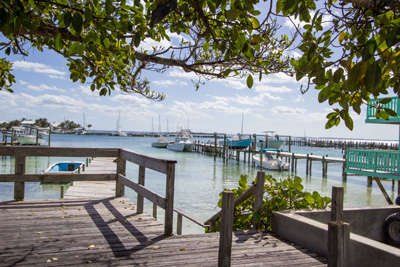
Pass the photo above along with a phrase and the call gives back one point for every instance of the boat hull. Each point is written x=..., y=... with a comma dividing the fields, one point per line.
x=160, y=144
x=181, y=147
x=271, y=144
x=30, y=140
x=237, y=144
x=271, y=164
x=65, y=167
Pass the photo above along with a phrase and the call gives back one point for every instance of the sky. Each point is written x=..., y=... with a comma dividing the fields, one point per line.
x=43, y=90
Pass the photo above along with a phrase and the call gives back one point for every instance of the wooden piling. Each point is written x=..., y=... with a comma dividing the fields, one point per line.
x=225, y=240
x=141, y=181
x=259, y=195
x=338, y=232
x=62, y=190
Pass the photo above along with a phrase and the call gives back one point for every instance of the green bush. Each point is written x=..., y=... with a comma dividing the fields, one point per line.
x=278, y=195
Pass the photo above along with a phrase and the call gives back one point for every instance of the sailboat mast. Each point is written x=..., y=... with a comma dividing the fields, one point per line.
x=242, y=125
x=152, y=126
x=159, y=124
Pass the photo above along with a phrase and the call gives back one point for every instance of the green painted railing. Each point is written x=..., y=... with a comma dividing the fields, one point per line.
x=372, y=161
x=393, y=105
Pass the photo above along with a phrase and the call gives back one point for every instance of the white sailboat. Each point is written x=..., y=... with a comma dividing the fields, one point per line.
x=118, y=131
x=160, y=142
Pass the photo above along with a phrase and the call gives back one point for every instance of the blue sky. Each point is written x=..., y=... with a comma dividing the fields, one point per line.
x=43, y=90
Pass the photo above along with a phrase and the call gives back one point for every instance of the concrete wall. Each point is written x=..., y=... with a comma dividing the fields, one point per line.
x=366, y=221
x=310, y=230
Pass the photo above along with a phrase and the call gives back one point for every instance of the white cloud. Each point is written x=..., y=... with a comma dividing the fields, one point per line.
x=233, y=83
x=297, y=113
x=37, y=67
x=164, y=83
x=266, y=88
x=133, y=101
x=299, y=98
x=44, y=87
x=179, y=73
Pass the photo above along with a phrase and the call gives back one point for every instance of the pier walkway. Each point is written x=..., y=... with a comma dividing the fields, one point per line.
x=91, y=226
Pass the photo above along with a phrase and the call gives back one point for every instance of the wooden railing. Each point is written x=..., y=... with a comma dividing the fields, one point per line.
x=166, y=167
x=373, y=160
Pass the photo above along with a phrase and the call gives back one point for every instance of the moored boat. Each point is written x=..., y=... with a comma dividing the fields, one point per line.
x=182, y=142
x=29, y=134
x=161, y=142
x=269, y=162
x=270, y=141
x=237, y=143
x=64, y=167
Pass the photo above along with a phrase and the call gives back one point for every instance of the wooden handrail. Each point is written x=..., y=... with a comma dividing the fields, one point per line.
x=51, y=178
x=239, y=200
x=160, y=165
x=153, y=163
x=58, y=151
x=190, y=217
x=148, y=194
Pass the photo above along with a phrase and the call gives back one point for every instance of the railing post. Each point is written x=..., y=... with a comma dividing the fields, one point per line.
x=179, y=225
x=19, y=187
x=338, y=232
x=259, y=195
x=225, y=239
x=140, y=198
x=169, y=195
x=121, y=169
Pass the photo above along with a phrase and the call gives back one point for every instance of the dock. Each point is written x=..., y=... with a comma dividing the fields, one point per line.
x=227, y=153
x=91, y=225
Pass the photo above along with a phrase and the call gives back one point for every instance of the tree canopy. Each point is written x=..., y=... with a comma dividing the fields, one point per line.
x=349, y=50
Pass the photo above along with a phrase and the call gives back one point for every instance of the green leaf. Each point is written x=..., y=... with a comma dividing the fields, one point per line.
x=109, y=7
x=232, y=14
x=348, y=122
x=373, y=77
x=58, y=43
x=391, y=112
x=206, y=45
x=77, y=22
x=385, y=101
x=255, y=23
x=249, y=81
x=288, y=6
x=67, y=18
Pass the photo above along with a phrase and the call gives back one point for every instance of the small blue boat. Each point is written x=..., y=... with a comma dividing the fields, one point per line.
x=65, y=167
x=237, y=143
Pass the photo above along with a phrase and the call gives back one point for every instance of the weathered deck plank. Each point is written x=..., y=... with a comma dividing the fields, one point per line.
x=63, y=232
x=107, y=231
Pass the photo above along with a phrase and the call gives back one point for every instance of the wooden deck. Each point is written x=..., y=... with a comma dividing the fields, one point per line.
x=107, y=231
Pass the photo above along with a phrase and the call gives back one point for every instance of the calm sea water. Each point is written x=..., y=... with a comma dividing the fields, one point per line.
x=199, y=177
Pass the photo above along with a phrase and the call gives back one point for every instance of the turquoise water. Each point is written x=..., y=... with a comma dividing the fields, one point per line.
x=199, y=177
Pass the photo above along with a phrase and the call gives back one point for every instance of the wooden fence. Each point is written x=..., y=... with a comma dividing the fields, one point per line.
x=167, y=167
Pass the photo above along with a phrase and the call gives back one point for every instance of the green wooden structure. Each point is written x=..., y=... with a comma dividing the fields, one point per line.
x=377, y=163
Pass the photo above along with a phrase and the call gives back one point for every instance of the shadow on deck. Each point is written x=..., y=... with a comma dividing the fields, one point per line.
x=109, y=232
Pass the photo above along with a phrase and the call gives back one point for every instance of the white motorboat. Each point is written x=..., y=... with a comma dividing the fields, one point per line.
x=29, y=134
x=183, y=141
x=270, y=141
x=270, y=163
x=161, y=142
